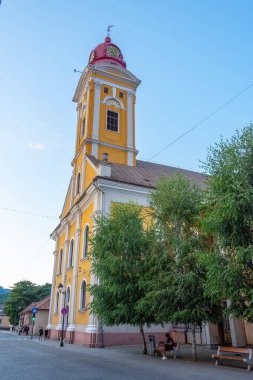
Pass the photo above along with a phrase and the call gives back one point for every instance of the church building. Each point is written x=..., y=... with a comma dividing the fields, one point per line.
x=105, y=170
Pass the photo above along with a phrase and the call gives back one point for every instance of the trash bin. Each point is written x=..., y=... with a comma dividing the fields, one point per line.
x=152, y=345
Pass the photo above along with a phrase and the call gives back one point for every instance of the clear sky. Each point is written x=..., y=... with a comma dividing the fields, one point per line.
x=192, y=56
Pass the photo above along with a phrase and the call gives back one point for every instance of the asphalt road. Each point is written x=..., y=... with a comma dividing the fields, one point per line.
x=23, y=359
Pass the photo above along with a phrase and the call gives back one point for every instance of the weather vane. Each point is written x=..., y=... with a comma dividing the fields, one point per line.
x=109, y=29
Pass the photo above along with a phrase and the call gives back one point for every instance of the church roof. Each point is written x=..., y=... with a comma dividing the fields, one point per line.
x=147, y=173
x=107, y=51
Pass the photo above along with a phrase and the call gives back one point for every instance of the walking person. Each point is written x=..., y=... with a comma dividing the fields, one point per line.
x=46, y=334
x=40, y=333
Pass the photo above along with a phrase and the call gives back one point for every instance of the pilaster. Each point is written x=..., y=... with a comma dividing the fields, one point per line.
x=72, y=316
x=96, y=114
x=64, y=271
x=130, y=95
x=83, y=174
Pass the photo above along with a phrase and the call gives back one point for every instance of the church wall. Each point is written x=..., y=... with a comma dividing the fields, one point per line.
x=58, y=277
x=118, y=156
x=83, y=266
x=90, y=174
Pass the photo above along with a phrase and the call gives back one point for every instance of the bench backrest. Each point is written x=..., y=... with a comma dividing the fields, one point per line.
x=235, y=350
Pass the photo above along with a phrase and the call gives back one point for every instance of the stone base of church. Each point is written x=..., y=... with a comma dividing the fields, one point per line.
x=106, y=339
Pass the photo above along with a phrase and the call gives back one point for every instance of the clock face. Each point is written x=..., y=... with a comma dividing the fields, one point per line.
x=92, y=56
x=112, y=51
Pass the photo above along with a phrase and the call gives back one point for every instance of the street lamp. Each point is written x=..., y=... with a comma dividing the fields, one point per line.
x=60, y=290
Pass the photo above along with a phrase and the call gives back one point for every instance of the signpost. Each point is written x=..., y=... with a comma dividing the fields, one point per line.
x=34, y=311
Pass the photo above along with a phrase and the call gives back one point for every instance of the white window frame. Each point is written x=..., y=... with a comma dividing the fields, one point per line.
x=81, y=308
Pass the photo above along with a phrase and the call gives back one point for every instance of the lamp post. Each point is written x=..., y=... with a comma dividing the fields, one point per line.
x=60, y=289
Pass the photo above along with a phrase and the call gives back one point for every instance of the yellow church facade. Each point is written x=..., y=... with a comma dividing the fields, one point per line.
x=105, y=170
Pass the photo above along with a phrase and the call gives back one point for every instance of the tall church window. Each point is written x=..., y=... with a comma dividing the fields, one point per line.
x=83, y=127
x=78, y=184
x=71, y=250
x=112, y=121
x=60, y=262
x=83, y=295
x=85, y=242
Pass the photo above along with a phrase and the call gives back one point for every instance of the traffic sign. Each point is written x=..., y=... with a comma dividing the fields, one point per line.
x=64, y=310
x=34, y=310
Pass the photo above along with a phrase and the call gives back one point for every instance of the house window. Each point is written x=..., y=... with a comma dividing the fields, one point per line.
x=106, y=90
x=60, y=262
x=83, y=127
x=71, y=250
x=78, y=184
x=83, y=295
x=112, y=121
x=121, y=95
x=85, y=242
x=56, y=303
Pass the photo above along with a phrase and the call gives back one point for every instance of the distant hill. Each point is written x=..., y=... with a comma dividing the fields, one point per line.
x=4, y=294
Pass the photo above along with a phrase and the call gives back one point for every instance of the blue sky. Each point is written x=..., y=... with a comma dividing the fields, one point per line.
x=192, y=56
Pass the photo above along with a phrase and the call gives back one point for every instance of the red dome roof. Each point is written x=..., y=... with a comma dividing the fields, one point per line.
x=107, y=52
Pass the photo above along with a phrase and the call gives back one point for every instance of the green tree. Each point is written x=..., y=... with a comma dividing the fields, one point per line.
x=229, y=217
x=179, y=295
x=119, y=245
x=23, y=294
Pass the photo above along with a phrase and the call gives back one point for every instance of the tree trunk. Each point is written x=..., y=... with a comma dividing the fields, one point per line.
x=143, y=339
x=194, y=350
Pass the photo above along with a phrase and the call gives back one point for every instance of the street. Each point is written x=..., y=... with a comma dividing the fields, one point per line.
x=23, y=359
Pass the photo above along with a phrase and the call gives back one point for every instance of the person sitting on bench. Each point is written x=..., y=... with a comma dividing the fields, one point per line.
x=169, y=343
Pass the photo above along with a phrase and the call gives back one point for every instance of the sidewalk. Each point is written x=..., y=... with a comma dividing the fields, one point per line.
x=184, y=354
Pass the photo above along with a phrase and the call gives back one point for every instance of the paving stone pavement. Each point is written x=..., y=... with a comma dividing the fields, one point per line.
x=23, y=359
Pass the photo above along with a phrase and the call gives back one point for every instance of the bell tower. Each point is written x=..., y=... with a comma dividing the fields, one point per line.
x=105, y=97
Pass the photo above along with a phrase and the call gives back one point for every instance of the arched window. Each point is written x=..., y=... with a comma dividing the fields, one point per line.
x=68, y=295
x=60, y=262
x=85, y=242
x=78, y=183
x=71, y=250
x=83, y=295
x=56, y=303
x=83, y=127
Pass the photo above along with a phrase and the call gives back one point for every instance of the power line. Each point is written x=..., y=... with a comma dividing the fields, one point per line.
x=27, y=212
x=36, y=253
x=202, y=121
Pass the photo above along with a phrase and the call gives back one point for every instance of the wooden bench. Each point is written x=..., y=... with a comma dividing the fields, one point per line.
x=237, y=354
x=174, y=352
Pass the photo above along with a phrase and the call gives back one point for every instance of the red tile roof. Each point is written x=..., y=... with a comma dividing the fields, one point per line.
x=41, y=305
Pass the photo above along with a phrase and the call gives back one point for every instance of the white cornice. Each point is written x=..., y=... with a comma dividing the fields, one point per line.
x=120, y=74
x=111, y=145
x=120, y=186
